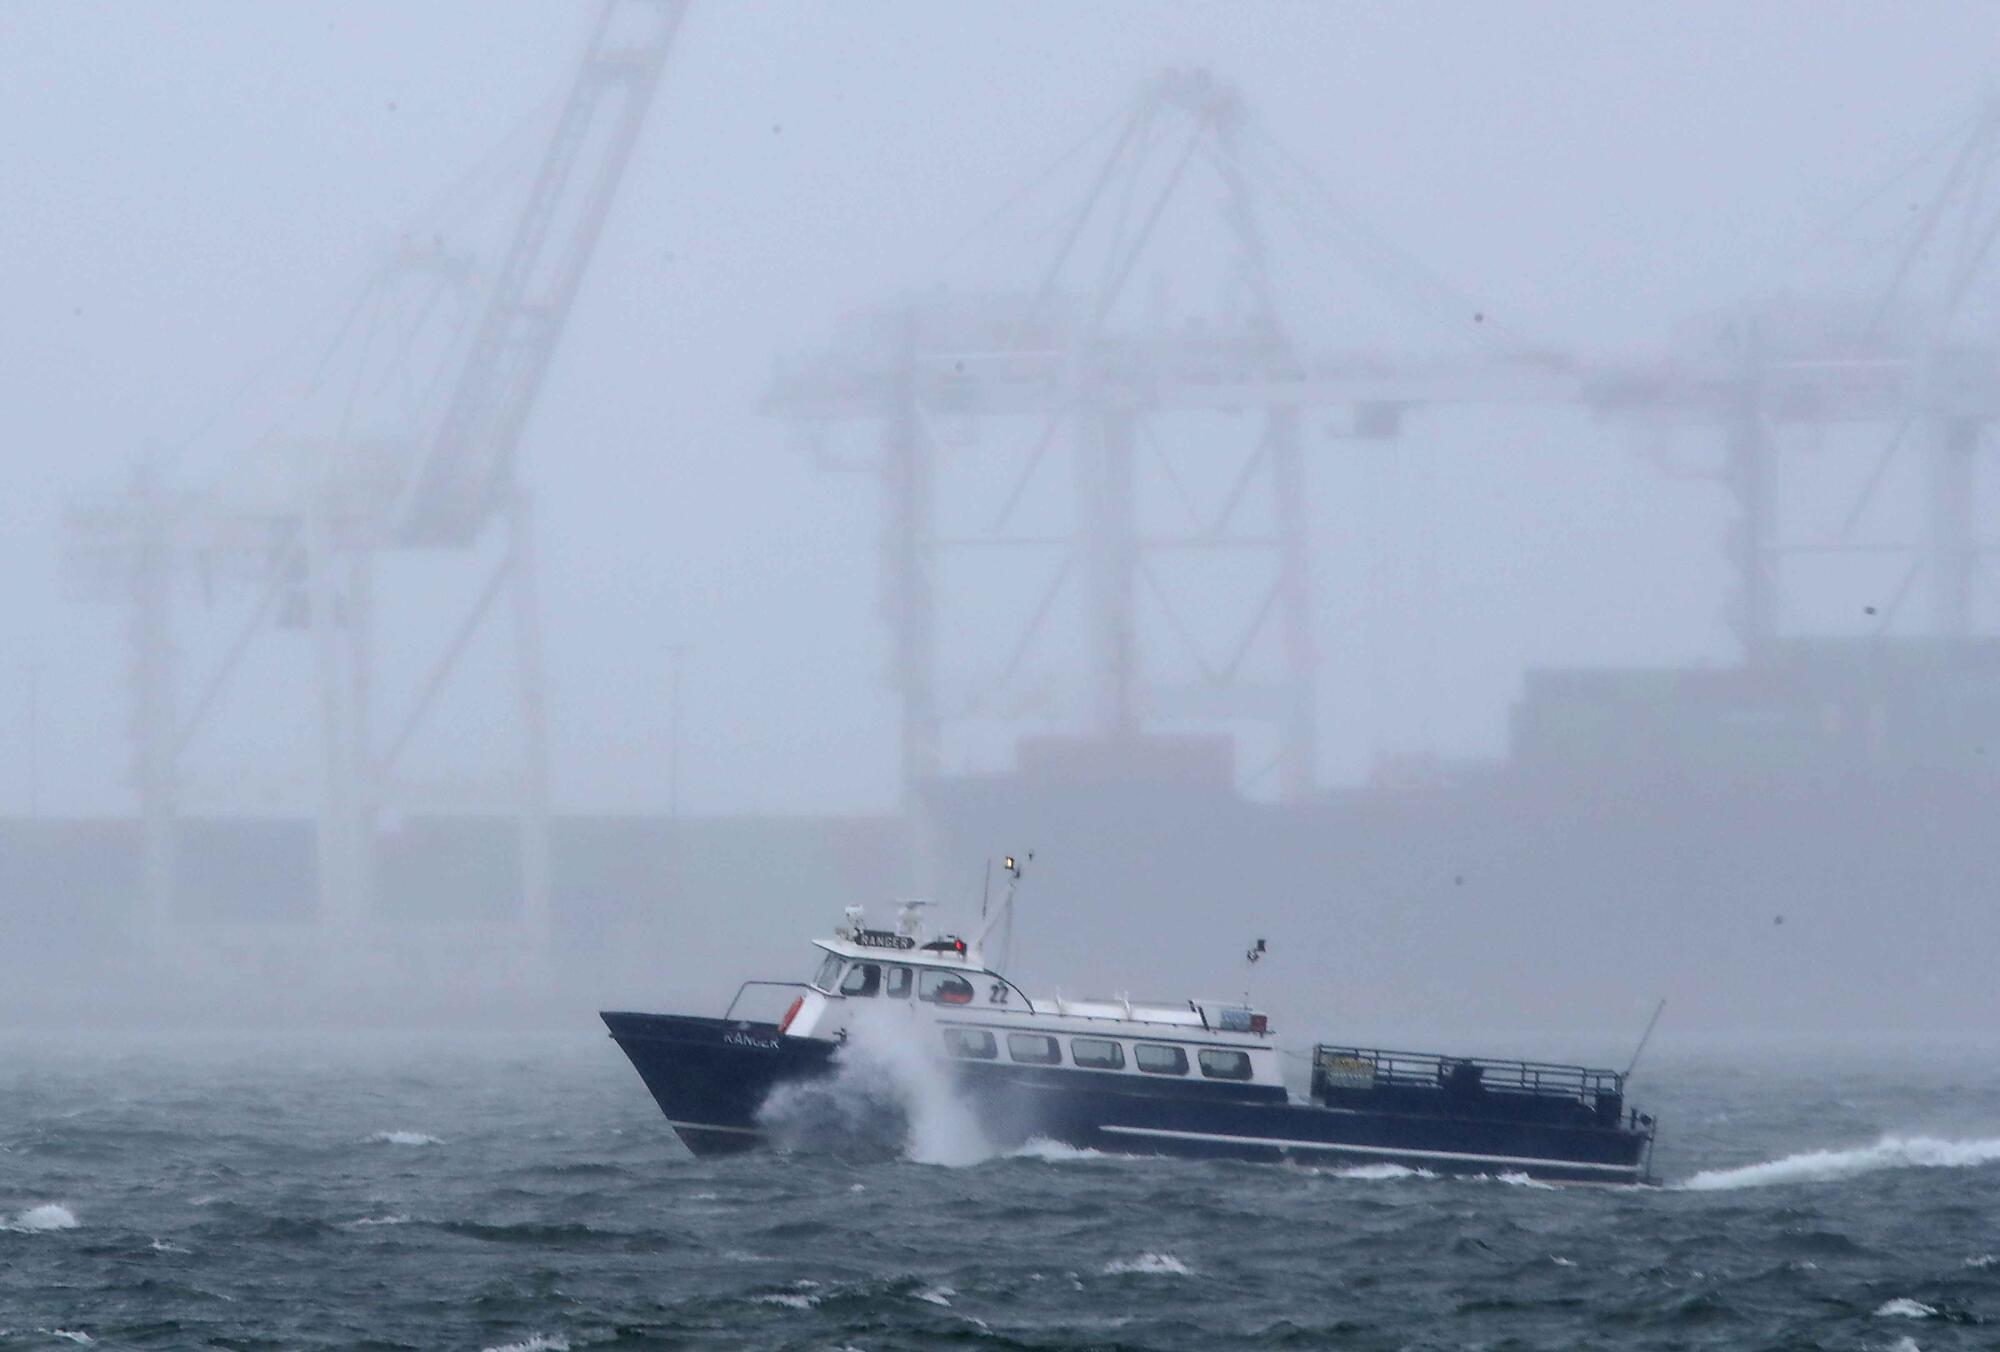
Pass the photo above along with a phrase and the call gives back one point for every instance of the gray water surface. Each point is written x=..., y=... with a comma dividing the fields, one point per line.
x=524, y=1193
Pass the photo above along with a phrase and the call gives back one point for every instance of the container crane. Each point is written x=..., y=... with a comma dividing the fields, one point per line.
x=310, y=546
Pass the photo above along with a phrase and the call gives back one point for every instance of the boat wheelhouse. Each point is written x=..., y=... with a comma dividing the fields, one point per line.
x=944, y=982
x=1199, y=1077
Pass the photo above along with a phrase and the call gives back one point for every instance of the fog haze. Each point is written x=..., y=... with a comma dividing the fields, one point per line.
x=200, y=191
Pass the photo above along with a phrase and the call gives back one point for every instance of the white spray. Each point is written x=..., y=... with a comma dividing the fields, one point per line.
x=888, y=1082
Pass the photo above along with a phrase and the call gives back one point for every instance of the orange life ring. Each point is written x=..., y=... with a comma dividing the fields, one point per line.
x=798, y=1003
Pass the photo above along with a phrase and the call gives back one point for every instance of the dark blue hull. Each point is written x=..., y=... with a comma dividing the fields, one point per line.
x=711, y=1077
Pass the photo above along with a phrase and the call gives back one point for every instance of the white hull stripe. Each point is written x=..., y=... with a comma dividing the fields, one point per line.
x=1283, y=1144
x=705, y=1126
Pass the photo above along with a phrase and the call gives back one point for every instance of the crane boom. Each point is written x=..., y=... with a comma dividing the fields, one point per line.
x=460, y=482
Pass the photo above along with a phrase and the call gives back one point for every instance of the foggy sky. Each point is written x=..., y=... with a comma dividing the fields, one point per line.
x=190, y=185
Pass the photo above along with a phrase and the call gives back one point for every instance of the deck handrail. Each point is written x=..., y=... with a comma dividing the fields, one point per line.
x=802, y=985
x=1495, y=1074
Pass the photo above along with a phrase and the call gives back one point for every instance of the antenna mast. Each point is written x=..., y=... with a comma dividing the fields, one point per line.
x=1005, y=911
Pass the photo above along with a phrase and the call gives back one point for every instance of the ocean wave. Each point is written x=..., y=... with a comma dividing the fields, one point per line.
x=801, y=1297
x=1042, y=1148
x=536, y=1342
x=1516, y=1179
x=365, y=1221
x=1831, y=1166
x=532, y=1232
x=1380, y=1173
x=1902, y=1307
x=38, y=1219
x=292, y=1229
x=403, y=1138
x=935, y=1295
x=1150, y=1264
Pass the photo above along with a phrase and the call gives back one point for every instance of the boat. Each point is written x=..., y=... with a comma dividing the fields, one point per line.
x=1198, y=1078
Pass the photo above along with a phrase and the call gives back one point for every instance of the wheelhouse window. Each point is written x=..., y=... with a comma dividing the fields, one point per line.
x=1224, y=1065
x=944, y=988
x=1034, y=1049
x=828, y=973
x=1158, y=1060
x=974, y=1043
x=896, y=982
x=864, y=979
x=1096, y=1053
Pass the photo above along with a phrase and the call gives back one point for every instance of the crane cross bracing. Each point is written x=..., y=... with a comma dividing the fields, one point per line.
x=463, y=479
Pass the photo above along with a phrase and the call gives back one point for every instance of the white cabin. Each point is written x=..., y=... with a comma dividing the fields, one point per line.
x=980, y=1015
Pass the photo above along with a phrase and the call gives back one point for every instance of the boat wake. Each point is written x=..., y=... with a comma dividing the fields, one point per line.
x=1832, y=1166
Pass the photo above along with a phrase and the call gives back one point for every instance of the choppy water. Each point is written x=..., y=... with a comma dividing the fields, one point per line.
x=480, y=1195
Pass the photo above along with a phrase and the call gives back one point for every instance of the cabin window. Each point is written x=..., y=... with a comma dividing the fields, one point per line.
x=1222, y=1065
x=1034, y=1049
x=896, y=982
x=1096, y=1053
x=1156, y=1060
x=976, y=1043
x=829, y=972
x=865, y=979
x=944, y=988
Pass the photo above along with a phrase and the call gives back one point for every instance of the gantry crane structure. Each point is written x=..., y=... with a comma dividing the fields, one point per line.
x=1102, y=384
x=932, y=376
x=1919, y=360
x=329, y=504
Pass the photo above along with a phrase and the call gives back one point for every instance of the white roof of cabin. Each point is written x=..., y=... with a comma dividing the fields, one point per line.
x=847, y=948
x=1188, y=1014
x=1096, y=1007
